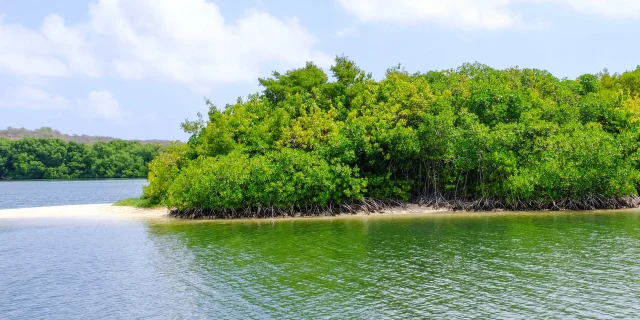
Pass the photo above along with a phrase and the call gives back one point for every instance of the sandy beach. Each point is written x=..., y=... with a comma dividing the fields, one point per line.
x=109, y=210
x=77, y=211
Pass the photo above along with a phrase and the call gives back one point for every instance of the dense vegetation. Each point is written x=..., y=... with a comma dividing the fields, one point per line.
x=471, y=138
x=56, y=159
x=48, y=133
x=140, y=202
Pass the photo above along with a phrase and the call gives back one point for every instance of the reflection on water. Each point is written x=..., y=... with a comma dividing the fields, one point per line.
x=512, y=266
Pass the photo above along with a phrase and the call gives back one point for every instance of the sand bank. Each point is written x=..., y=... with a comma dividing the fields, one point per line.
x=408, y=211
x=78, y=211
x=108, y=210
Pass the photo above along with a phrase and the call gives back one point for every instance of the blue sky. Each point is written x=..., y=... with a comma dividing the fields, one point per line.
x=135, y=69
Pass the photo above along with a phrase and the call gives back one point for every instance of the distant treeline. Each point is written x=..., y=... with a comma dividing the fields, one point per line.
x=472, y=138
x=32, y=158
x=46, y=132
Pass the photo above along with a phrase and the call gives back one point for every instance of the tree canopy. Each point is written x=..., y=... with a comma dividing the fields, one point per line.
x=514, y=137
x=32, y=158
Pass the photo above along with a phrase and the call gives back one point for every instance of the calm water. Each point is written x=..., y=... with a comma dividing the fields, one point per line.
x=581, y=265
x=27, y=194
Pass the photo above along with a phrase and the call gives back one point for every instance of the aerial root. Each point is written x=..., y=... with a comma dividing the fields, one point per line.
x=365, y=206
x=434, y=201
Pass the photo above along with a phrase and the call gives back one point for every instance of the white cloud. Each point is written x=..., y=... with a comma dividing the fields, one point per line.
x=476, y=14
x=187, y=41
x=101, y=104
x=32, y=98
x=190, y=42
x=462, y=14
x=53, y=51
x=347, y=32
x=70, y=43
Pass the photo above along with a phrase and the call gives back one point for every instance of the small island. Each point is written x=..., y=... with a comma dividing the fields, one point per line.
x=472, y=138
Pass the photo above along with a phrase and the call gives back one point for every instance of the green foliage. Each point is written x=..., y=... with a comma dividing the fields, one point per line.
x=469, y=133
x=163, y=170
x=32, y=158
x=5, y=151
x=142, y=202
x=280, y=179
x=298, y=81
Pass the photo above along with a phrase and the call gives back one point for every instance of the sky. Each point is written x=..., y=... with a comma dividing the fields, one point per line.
x=136, y=69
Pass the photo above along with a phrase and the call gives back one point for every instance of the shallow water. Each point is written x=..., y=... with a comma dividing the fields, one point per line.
x=544, y=266
x=41, y=193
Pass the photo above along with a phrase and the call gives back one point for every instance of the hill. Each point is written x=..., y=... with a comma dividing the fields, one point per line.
x=46, y=132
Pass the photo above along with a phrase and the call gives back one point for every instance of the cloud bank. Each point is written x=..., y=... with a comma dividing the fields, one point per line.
x=187, y=41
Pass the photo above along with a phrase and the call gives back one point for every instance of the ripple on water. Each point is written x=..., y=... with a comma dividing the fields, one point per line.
x=503, y=267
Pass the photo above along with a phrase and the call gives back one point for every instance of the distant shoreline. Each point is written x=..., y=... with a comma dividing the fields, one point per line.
x=49, y=133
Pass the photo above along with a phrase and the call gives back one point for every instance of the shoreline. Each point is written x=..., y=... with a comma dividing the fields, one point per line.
x=408, y=211
x=82, y=211
x=109, y=210
x=422, y=205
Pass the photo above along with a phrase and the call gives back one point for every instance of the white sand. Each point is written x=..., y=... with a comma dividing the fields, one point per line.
x=108, y=210
x=89, y=210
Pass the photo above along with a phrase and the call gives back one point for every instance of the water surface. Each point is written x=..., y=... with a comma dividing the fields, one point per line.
x=514, y=266
x=44, y=193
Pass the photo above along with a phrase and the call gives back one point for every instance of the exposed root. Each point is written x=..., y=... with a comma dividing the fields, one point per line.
x=591, y=202
x=435, y=201
x=359, y=206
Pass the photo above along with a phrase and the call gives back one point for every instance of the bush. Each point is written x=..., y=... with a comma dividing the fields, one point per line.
x=277, y=179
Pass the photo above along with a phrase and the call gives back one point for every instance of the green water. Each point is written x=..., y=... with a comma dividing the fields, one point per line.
x=539, y=266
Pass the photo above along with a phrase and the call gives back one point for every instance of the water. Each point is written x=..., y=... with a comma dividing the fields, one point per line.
x=514, y=266
x=42, y=193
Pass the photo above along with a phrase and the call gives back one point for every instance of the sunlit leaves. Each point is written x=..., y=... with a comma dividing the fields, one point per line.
x=471, y=132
